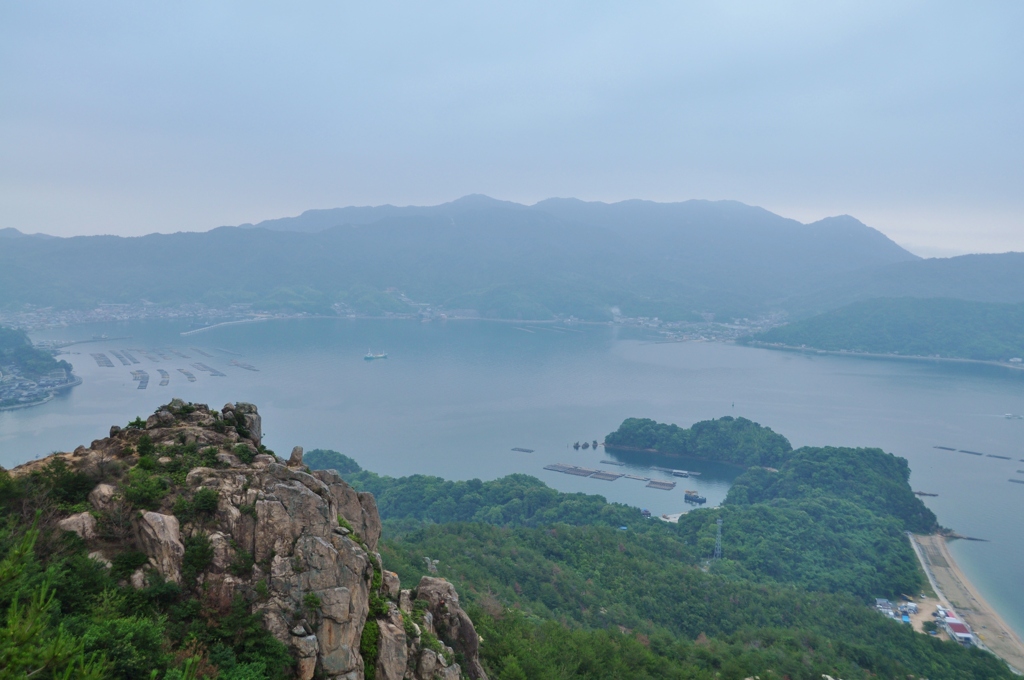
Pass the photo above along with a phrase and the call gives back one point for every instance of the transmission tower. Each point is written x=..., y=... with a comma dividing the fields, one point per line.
x=718, y=541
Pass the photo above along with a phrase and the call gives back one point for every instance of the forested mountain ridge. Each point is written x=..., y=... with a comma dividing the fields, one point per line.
x=938, y=327
x=504, y=260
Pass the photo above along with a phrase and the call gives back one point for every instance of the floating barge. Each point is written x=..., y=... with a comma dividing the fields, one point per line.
x=165, y=377
x=142, y=378
x=212, y=371
x=578, y=471
x=130, y=357
x=612, y=462
x=924, y=493
x=102, y=360
x=248, y=367
x=637, y=478
x=691, y=496
x=1017, y=481
x=992, y=455
x=205, y=354
x=187, y=374
x=114, y=353
x=973, y=453
x=521, y=450
x=183, y=356
x=944, y=448
x=659, y=484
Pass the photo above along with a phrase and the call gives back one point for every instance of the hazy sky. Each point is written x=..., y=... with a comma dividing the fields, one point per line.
x=135, y=117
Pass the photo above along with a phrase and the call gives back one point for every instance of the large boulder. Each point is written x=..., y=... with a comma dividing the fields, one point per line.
x=83, y=524
x=252, y=420
x=102, y=495
x=160, y=538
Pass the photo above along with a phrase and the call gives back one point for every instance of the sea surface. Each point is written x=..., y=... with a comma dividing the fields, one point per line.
x=454, y=398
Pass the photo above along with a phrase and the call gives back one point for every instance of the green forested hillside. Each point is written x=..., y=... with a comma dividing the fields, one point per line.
x=559, y=589
x=16, y=350
x=737, y=441
x=870, y=478
x=912, y=327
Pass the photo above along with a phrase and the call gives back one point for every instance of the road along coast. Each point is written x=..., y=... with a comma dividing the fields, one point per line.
x=954, y=590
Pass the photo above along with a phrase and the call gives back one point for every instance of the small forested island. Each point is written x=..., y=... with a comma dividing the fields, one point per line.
x=29, y=375
x=181, y=547
x=735, y=441
x=910, y=327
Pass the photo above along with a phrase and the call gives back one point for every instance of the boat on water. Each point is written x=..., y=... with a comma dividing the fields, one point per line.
x=691, y=496
x=370, y=356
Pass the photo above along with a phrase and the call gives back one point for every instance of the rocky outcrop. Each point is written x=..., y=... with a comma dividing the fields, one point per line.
x=83, y=524
x=299, y=546
x=450, y=622
x=160, y=538
x=101, y=496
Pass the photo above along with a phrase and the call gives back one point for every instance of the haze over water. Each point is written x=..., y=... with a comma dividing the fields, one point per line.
x=454, y=398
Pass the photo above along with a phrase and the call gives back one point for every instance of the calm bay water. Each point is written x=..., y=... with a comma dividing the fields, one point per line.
x=454, y=398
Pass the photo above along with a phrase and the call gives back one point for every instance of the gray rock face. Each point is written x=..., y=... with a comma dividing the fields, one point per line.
x=295, y=460
x=392, y=648
x=391, y=587
x=451, y=623
x=293, y=533
x=160, y=538
x=160, y=419
x=252, y=419
x=359, y=508
x=83, y=524
x=101, y=496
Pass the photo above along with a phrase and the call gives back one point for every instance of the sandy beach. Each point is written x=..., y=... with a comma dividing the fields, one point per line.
x=954, y=590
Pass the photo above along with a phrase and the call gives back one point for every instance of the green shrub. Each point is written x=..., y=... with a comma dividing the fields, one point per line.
x=369, y=649
x=198, y=556
x=133, y=645
x=242, y=564
x=243, y=453
x=127, y=562
x=145, y=447
x=66, y=486
x=137, y=424
x=311, y=601
x=144, y=489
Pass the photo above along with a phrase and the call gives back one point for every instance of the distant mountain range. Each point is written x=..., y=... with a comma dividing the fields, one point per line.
x=506, y=260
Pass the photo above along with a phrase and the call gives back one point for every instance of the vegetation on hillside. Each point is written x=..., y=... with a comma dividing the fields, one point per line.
x=870, y=478
x=805, y=549
x=68, y=615
x=736, y=441
x=911, y=327
x=16, y=350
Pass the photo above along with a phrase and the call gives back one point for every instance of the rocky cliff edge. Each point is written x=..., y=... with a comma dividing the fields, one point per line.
x=298, y=545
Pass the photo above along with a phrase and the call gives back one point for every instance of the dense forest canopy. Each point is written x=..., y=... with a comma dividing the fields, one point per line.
x=869, y=477
x=736, y=441
x=911, y=327
x=555, y=572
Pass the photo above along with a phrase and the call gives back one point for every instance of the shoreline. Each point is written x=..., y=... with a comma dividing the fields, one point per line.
x=875, y=355
x=955, y=590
